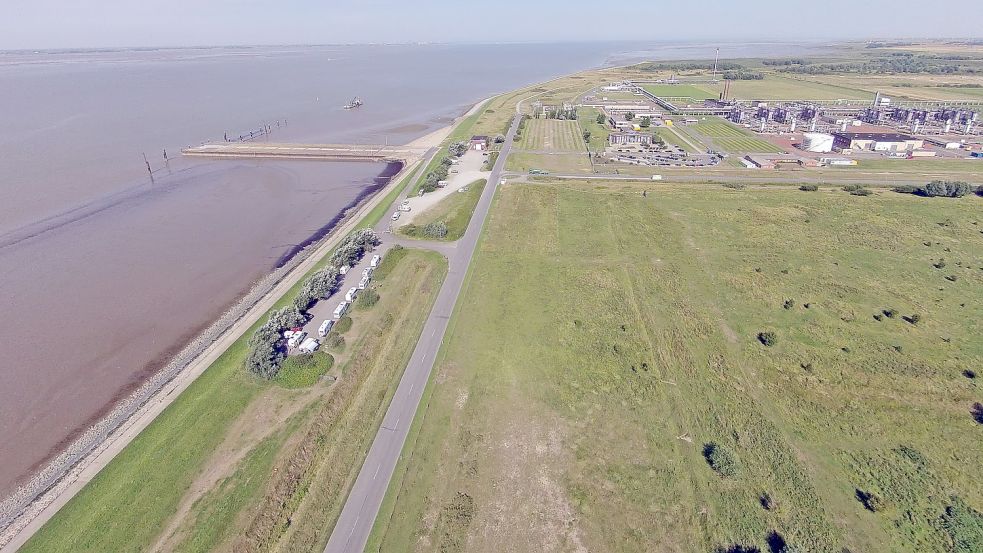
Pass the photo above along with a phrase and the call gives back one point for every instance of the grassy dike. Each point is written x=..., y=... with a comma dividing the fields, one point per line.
x=127, y=503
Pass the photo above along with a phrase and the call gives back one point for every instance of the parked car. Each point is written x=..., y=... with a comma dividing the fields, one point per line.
x=395, y=216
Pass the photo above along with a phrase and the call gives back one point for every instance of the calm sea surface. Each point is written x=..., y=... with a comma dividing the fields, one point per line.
x=103, y=276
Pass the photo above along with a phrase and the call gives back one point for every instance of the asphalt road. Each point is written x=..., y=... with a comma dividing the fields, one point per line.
x=351, y=532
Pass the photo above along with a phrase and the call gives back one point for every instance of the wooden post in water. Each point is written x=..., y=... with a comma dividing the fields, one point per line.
x=149, y=170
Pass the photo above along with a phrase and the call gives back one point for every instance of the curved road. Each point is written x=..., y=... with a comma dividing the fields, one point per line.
x=351, y=532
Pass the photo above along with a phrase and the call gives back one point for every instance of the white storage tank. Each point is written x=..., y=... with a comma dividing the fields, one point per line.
x=819, y=143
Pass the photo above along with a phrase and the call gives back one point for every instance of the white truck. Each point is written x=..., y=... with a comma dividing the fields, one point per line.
x=340, y=311
x=296, y=339
x=364, y=283
x=310, y=345
x=375, y=261
x=325, y=327
x=351, y=293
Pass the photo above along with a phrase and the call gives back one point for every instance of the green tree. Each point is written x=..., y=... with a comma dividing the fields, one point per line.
x=645, y=123
x=587, y=135
x=601, y=119
x=630, y=116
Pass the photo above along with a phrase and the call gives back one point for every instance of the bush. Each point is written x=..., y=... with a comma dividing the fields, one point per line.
x=809, y=187
x=946, y=189
x=436, y=229
x=890, y=313
x=913, y=318
x=734, y=185
x=335, y=341
x=857, y=190
x=367, y=298
x=343, y=325
x=767, y=501
x=977, y=412
x=906, y=189
x=767, y=338
x=964, y=525
x=720, y=459
x=871, y=501
x=788, y=304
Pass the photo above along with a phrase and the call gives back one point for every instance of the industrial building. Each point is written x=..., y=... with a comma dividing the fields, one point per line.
x=875, y=141
x=819, y=143
x=621, y=138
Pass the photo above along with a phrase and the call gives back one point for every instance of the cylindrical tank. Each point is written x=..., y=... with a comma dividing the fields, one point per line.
x=819, y=143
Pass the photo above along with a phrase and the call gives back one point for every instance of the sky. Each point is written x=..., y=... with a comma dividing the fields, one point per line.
x=49, y=24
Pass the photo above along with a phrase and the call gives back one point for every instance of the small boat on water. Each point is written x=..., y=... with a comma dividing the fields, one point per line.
x=355, y=103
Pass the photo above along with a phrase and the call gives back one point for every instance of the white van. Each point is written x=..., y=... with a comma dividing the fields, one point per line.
x=350, y=295
x=310, y=345
x=296, y=339
x=339, y=311
x=395, y=216
x=325, y=327
x=344, y=269
x=363, y=284
x=375, y=261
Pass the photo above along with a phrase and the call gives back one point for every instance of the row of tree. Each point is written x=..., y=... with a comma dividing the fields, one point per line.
x=939, y=189
x=266, y=350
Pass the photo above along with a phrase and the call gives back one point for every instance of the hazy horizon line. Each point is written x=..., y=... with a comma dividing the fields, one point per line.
x=732, y=40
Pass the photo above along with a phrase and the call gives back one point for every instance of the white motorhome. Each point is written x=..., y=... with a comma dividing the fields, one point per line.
x=325, y=327
x=352, y=292
x=340, y=311
x=375, y=261
x=296, y=339
x=367, y=272
x=404, y=208
x=310, y=345
x=344, y=269
x=363, y=284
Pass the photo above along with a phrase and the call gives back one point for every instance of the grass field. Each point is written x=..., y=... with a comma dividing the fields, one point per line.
x=606, y=345
x=698, y=94
x=733, y=139
x=552, y=135
x=242, y=445
x=670, y=137
x=554, y=163
x=454, y=210
x=599, y=133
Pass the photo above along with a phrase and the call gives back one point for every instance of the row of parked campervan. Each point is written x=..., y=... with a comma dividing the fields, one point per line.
x=300, y=340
